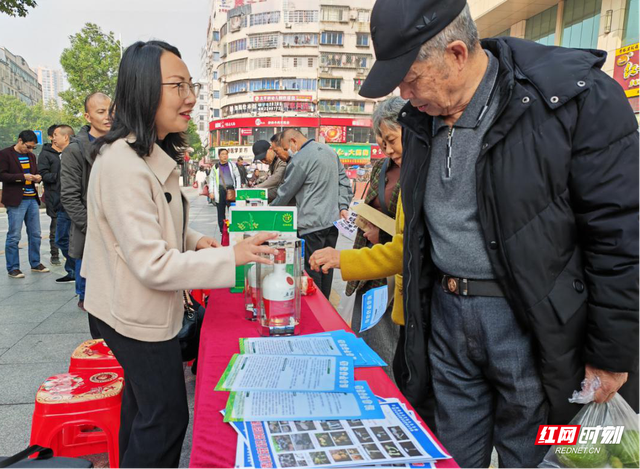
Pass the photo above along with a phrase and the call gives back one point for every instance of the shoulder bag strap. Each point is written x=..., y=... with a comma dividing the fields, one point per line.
x=382, y=182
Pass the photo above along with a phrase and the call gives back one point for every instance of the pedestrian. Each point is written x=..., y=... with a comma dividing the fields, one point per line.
x=263, y=151
x=315, y=178
x=49, y=167
x=19, y=176
x=140, y=253
x=224, y=179
x=49, y=153
x=364, y=268
x=255, y=178
x=244, y=180
x=201, y=178
x=520, y=251
x=74, y=177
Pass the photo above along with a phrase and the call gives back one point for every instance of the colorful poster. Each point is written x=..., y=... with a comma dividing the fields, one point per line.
x=354, y=153
x=627, y=70
x=333, y=133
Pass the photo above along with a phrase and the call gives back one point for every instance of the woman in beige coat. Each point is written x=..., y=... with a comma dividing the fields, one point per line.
x=140, y=253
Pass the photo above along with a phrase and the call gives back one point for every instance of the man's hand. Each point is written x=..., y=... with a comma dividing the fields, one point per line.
x=344, y=214
x=372, y=234
x=30, y=177
x=37, y=178
x=327, y=259
x=207, y=242
x=610, y=382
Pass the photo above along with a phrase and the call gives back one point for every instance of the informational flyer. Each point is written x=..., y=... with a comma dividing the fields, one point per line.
x=374, y=304
x=269, y=405
x=287, y=373
x=397, y=438
x=347, y=228
x=340, y=344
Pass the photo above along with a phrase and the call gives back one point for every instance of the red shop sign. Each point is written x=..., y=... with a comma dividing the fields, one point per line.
x=264, y=122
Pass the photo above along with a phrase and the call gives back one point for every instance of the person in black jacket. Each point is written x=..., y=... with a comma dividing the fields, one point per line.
x=47, y=155
x=243, y=171
x=521, y=236
x=49, y=166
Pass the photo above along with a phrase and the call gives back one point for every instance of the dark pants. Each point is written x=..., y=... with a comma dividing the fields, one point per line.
x=222, y=208
x=154, y=416
x=53, y=229
x=62, y=241
x=485, y=380
x=327, y=238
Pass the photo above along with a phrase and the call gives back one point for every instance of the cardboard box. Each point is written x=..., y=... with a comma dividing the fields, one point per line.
x=375, y=217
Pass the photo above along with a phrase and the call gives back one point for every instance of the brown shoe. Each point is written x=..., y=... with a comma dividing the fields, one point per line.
x=81, y=305
x=40, y=268
x=16, y=273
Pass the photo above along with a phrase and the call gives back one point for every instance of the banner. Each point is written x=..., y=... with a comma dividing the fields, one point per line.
x=333, y=133
x=353, y=154
x=626, y=70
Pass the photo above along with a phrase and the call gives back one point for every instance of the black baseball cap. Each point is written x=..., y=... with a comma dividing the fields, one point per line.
x=260, y=150
x=398, y=29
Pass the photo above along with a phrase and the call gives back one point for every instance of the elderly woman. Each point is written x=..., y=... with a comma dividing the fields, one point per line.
x=377, y=255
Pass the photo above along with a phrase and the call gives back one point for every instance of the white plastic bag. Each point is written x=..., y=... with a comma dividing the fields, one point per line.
x=599, y=425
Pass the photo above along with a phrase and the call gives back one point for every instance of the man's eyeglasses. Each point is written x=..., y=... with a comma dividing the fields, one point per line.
x=31, y=147
x=185, y=87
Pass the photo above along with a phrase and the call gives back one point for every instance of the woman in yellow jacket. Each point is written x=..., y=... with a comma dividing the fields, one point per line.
x=380, y=260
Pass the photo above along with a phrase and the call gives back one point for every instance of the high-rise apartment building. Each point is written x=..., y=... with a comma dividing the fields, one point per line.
x=52, y=82
x=609, y=25
x=274, y=64
x=17, y=79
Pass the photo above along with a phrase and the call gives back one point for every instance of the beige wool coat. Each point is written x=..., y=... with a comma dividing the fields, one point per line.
x=139, y=253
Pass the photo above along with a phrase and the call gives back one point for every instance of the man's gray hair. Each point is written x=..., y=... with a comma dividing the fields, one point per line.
x=387, y=113
x=463, y=28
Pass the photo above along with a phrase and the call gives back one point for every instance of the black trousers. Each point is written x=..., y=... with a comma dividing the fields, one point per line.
x=327, y=238
x=222, y=207
x=154, y=414
x=52, y=236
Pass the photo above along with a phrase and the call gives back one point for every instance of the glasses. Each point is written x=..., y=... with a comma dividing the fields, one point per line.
x=30, y=147
x=185, y=87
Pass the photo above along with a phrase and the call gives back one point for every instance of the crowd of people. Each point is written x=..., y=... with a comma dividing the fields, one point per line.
x=510, y=169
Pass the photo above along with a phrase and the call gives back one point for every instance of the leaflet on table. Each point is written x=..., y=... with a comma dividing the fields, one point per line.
x=395, y=439
x=374, y=305
x=272, y=405
x=287, y=373
x=353, y=343
x=346, y=344
x=243, y=453
x=347, y=227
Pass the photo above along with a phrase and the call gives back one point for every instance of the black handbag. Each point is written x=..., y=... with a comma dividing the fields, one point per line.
x=189, y=335
x=45, y=459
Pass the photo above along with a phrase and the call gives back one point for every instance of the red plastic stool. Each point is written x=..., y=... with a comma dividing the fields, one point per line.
x=69, y=404
x=94, y=355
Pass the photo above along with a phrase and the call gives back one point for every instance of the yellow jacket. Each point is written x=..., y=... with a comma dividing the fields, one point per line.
x=379, y=261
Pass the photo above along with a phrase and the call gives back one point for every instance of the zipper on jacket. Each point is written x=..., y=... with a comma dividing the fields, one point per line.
x=449, y=153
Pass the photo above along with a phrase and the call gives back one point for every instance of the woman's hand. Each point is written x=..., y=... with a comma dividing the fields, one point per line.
x=206, y=242
x=327, y=258
x=372, y=233
x=250, y=249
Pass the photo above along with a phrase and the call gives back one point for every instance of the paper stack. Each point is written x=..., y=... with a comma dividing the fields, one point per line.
x=397, y=439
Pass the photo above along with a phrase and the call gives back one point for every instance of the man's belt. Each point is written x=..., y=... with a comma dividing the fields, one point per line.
x=469, y=287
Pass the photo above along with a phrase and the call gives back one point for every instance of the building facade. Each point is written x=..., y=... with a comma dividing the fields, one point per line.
x=17, y=79
x=201, y=114
x=52, y=82
x=274, y=64
x=609, y=25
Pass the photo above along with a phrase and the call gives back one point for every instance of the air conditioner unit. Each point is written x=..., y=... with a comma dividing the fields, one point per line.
x=287, y=25
x=284, y=44
x=325, y=69
x=353, y=15
x=362, y=71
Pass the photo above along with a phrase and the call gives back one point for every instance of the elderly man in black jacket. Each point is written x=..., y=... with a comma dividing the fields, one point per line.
x=49, y=153
x=521, y=244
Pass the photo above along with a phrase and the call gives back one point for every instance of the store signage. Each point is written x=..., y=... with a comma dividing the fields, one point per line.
x=333, y=133
x=268, y=108
x=360, y=122
x=353, y=154
x=627, y=71
x=245, y=132
x=264, y=122
x=376, y=152
x=281, y=98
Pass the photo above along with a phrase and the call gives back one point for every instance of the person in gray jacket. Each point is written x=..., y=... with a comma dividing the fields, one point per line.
x=316, y=179
x=74, y=178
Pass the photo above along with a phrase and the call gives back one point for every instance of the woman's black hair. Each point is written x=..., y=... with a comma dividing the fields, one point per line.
x=136, y=101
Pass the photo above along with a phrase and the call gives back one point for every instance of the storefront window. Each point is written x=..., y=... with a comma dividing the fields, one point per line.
x=580, y=23
x=229, y=137
x=541, y=28
x=359, y=135
x=631, y=19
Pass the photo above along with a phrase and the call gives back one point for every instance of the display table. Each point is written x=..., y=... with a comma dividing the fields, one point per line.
x=214, y=442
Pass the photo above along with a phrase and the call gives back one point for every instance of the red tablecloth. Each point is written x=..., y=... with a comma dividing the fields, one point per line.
x=214, y=442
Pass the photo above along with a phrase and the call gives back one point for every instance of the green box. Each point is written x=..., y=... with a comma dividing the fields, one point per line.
x=251, y=193
x=283, y=220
